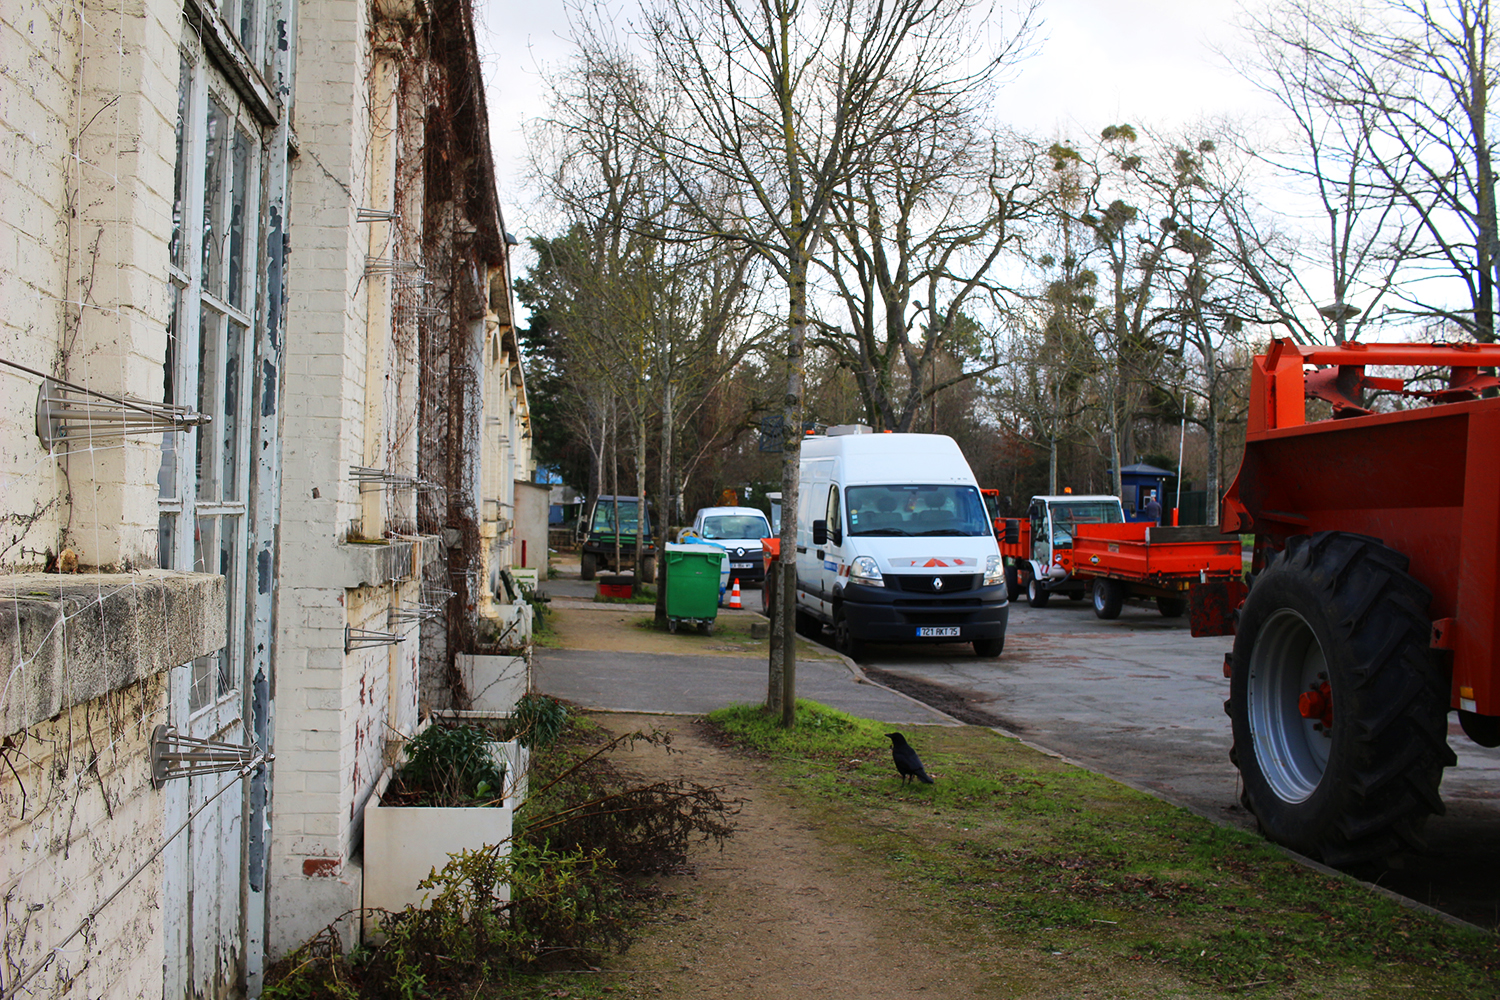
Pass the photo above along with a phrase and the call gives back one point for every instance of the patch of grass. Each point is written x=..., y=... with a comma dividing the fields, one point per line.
x=1018, y=846
x=821, y=733
x=726, y=629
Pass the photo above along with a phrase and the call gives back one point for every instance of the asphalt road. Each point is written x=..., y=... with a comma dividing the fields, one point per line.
x=1140, y=699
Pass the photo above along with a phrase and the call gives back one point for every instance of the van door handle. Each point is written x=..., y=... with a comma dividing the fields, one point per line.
x=820, y=555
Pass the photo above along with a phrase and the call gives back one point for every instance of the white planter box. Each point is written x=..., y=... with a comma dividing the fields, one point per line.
x=517, y=762
x=494, y=683
x=404, y=844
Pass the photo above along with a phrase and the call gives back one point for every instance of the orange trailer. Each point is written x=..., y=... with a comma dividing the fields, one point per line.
x=1147, y=560
x=1082, y=545
x=1373, y=607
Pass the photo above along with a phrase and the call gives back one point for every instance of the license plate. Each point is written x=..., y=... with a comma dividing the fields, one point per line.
x=742, y=565
x=938, y=632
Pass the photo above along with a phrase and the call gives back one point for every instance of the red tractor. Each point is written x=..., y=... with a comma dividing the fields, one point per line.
x=1373, y=605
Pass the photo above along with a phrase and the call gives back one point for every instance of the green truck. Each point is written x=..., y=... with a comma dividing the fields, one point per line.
x=607, y=535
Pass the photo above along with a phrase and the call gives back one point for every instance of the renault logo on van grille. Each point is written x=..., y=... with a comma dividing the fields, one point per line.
x=918, y=583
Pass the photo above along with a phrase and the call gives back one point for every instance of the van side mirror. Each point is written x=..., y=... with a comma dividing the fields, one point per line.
x=1012, y=531
x=820, y=532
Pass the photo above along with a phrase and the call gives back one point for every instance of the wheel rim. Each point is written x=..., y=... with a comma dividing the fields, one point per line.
x=1032, y=588
x=1099, y=596
x=1292, y=751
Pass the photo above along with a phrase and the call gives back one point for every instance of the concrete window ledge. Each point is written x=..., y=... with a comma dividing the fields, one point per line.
x=66, y=640
x=374, y=564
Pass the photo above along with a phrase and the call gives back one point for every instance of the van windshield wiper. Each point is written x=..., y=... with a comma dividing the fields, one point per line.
x=946, y=531
x=884, y=532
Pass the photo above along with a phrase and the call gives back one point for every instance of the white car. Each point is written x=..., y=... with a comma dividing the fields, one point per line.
x=737, y=530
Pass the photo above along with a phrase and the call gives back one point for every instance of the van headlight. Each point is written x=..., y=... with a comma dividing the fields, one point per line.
x=994, y=570
x=864, y=572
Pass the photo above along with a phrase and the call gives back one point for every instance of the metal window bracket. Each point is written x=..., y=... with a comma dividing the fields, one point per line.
x=66, y=412
x=385, y=479
x=174, y=755
x=364, y=638
x=413, y=614
x=363, y=214
x=392, y=266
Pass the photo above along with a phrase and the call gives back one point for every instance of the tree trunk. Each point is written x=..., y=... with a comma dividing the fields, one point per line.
x=664, y=491
x=1211, y=427
x=781, y=696
x=640, y=493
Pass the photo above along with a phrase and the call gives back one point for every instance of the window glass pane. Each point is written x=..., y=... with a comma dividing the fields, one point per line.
x=179, y=175
x=246, y=27
x=215, y=198
x=234, y=348
x=229, y=568
x=165, y=525
x=210, y=383
x=205, y=670
x=205, y=560
x=166, y=476
x=239, y=190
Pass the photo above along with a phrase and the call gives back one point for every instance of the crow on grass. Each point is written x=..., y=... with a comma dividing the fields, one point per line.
x=908, y=764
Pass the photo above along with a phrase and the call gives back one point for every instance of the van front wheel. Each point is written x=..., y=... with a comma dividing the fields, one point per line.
x=844, y=640
x=989, y=648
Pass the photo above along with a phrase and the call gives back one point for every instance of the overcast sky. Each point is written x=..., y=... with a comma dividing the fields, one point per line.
x=1146, y=62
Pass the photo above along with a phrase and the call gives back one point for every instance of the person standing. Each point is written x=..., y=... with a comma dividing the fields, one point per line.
x=1152, y=509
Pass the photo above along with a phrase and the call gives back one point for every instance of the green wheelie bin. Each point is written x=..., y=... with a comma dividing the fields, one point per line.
x=693, y=585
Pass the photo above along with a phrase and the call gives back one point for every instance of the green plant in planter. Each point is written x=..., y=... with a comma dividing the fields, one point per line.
x=451, y=765
x=537, y=721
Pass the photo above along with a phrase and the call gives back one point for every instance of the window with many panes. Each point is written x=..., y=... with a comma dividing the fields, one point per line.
x=204, y=478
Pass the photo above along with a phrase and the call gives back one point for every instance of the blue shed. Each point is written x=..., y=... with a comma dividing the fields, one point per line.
x=1137, y=482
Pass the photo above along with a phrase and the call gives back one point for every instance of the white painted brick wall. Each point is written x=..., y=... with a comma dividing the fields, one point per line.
x=83, y=258
x=81, y=817
x=39, y=52
x=335, y=713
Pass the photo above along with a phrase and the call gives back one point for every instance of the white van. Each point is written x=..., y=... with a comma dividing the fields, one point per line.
x=894, y=544
x=737, y=530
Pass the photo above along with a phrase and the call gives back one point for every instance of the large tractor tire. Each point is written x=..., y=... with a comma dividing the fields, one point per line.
x=1339, y=705
x=648, y=569
x=588, y=565
x=1036, y=595
x=1109, y=598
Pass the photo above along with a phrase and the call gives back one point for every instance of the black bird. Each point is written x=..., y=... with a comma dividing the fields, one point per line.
x=908, y=764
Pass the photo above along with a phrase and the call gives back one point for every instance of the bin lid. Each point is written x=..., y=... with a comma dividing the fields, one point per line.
x=707, y=548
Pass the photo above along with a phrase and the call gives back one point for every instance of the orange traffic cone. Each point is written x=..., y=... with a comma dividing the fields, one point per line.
x=734, y=594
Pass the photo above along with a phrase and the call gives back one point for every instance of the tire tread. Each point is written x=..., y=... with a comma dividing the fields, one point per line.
x=1391, y=765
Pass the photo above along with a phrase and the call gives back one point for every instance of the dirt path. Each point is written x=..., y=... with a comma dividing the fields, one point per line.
x=779, y=913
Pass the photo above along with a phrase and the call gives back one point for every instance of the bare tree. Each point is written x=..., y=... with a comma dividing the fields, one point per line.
x=657, y=321
x=782, y=102
x=1392, y=99
x=912, y=249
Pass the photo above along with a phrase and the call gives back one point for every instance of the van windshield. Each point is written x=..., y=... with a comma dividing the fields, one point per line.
x=736, y=526
x=916, y=510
